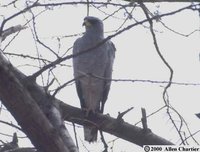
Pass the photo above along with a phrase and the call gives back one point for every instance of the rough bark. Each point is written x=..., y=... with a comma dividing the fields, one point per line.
x=116, y=127
x=18, y=100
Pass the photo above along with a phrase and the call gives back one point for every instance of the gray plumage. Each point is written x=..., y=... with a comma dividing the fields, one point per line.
x=93, y=70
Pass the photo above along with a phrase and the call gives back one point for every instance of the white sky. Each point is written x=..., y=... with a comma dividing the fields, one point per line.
x=136, y=58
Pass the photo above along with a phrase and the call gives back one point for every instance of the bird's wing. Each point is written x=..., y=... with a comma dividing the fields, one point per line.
x=75, y=59
x=77, y=74
x=108, y=72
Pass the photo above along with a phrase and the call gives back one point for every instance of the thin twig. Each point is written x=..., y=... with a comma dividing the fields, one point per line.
x=11, y=124
x=121, y=114
x=191, y=136
x=165, y=96
x=88, y=8
x=15, y=15
x=38, y=40
x=75, y=134
x=12, y=30
x=13, y=2
x=103, y=141
x=151, y=114
x=185, y=35
x=144, y=119
x=144, y=81
x=65, y=84
x=59, y=60
x=28, y=21
x=145, y=10
x=27, y=56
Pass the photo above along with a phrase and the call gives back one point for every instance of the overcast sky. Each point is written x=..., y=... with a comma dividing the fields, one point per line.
x=136, y=58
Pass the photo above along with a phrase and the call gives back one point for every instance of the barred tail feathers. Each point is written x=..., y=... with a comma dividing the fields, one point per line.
x=90, y=134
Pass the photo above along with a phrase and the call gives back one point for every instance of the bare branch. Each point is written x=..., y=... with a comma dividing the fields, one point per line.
x=24, y=149
x=13, y=2
x=27, y=56
x=65, y=84
x=80, y=3
x=144, y=119
x=185, y=35
x=165, y=95
x=12, y=30
x=11, y=145
x=14, y=89
x=38, y=40
x=104, y=142
x=144, y=8
x=59, y=60
x=28, y=91
x=15, y=15
x=144, y=81
x=120, y=115
x=11, y=124
x=75, y=134
x=154, y=1
x=113, y=126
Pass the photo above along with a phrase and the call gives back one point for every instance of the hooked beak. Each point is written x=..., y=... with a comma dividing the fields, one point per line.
x=86, y=23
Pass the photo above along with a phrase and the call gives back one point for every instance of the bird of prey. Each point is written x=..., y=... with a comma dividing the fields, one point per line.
x=93, y=70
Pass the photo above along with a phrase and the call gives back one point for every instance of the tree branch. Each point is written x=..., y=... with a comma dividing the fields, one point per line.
x=19, y=100
x=154, y=1
x=59, y=60
x=112, y=126
x=12, y=30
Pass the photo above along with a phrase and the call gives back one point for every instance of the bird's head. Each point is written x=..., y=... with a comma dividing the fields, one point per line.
x=94, y=24
x=91, y=21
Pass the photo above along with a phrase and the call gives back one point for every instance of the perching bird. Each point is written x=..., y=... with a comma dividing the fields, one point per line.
x=93, y=71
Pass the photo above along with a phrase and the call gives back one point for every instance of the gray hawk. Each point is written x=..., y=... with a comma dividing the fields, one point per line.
x=93, y=71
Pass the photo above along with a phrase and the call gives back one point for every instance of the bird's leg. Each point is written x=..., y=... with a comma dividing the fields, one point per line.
x=89, y=111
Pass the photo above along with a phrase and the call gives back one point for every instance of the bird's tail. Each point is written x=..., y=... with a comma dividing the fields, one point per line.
x=90, y=133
